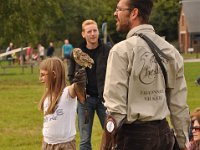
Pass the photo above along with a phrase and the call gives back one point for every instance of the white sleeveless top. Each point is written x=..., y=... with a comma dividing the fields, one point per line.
x=60, y=126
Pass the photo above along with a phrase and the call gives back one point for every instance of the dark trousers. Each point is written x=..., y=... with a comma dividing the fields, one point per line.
x=153, y=135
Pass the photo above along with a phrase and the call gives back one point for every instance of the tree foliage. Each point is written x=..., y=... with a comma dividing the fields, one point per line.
x=164, y=18
x=28, y=21
x=34, y=21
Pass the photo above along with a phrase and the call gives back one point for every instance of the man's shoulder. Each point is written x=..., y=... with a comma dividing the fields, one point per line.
x=105, y=46
x=121, y=43
x=69, y=45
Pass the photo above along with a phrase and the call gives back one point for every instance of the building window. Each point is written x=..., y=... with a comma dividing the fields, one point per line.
x=183, y=20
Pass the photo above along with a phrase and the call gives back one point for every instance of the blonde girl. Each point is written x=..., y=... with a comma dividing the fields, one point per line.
x=58, y=104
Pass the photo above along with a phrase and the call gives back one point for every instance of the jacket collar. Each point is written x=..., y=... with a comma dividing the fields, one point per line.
x=139, y=29
x=83, y=44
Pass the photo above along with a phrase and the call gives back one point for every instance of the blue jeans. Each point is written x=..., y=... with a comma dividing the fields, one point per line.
x=93, y=104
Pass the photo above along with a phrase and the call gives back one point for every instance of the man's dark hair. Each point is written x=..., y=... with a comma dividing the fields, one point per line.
x=144, y=7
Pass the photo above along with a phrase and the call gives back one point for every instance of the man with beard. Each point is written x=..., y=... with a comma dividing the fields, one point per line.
x=135, y=85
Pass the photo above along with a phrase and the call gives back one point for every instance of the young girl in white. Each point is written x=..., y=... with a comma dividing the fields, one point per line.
x=59, y=106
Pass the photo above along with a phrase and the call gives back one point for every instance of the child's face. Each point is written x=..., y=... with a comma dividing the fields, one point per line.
x=43, y=76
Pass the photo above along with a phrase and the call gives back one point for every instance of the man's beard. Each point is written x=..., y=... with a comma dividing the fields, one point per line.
x=123, y=28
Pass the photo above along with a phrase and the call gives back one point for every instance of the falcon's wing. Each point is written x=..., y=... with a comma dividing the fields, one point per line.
x=82, y=58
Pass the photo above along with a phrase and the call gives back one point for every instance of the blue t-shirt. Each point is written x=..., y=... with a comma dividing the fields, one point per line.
x=67, y=50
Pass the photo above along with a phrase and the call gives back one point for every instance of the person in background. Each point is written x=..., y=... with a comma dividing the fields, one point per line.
x=67, y=49
x=193, y=117
x=195, y=128
x=14, y=58
x=9, y=57
x=135, y=87
x=35, y=55
x=95, y=81
x=41, y=50
x=66, y=52
x=58, y=104
x=195, y=145
x=50, y=50
x=29, y=52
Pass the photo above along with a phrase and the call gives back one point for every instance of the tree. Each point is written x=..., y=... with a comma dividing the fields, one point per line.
x=36, y=21
x=164, y=18
x=27, y=21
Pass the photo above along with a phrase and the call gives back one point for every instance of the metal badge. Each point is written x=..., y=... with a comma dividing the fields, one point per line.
x=110, y=126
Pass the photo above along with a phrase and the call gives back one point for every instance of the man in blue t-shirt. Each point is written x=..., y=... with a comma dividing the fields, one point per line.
x=66, y=49
x=66, y=52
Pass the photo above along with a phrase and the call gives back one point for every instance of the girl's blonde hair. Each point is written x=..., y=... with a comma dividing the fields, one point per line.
x=56, y=82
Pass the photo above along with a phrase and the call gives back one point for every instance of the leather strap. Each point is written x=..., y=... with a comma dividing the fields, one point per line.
x=156, y=51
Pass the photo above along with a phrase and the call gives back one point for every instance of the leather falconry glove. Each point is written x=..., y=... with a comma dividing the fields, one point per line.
x=80, y=84
x=84, y=60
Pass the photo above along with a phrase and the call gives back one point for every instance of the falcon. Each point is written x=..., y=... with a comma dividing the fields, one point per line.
x=81, y=58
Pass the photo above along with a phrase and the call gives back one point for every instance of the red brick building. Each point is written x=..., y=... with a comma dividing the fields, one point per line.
x=189, y=26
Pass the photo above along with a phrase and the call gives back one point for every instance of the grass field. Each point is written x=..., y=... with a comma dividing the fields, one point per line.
x=21, y=122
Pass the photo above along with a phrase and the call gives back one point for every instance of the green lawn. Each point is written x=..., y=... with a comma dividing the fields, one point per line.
x=192, y=71
x=21, y=122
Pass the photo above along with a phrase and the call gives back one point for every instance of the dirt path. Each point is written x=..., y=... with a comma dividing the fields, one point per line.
x=192, y=60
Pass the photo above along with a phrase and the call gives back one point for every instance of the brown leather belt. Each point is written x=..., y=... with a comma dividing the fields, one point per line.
x=149, y=122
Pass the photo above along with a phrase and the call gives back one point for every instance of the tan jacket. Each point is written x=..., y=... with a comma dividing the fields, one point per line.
x=135, y=85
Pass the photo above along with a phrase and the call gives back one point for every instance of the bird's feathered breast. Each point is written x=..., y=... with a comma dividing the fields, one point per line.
x=82, y=58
